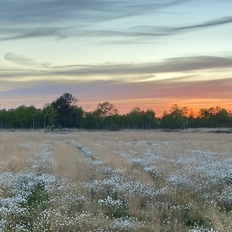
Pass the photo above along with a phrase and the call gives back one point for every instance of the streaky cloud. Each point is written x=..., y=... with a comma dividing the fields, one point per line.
x=138, y=32
x=108, y=90
x=37, y=32
x=216, y=22
x=25, y=19
x=24, y=61
x=17, y=59
x=124, y=71
x=87, y=11
x=165, y=31
x=151, y=32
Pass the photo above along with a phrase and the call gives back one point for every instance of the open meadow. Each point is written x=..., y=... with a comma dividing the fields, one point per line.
x=115, y=181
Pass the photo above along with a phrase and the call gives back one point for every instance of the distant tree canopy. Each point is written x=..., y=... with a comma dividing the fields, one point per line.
x=64, y=112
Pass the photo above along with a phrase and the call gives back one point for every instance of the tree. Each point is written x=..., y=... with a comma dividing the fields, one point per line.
x=32, y=113
x=214, y=117
x=106, y=109
x=189, y=117
x=134, y=117
x=69, y=114
x=222, y=117
x=150, y=121
x=49, y=114
x=21, y=117
x=174, y=119
x=104, y=114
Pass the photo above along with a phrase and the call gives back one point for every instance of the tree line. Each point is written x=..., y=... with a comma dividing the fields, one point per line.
x=64, y=112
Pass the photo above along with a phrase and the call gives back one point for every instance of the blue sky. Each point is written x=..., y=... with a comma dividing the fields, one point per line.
x=150, y=54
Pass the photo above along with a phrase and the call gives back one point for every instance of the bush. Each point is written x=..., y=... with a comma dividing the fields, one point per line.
x=113, y=208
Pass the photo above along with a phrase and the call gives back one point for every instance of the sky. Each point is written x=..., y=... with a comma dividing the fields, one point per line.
x=150, y=53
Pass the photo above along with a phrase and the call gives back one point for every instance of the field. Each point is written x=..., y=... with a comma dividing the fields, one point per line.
x=115, y=181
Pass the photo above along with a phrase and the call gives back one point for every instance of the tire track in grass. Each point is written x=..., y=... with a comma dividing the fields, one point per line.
x=32, y=200
x=116, y=181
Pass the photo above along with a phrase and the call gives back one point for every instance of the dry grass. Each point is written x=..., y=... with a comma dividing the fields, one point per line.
x=97, y=165
x=14, y=151
x=70, y=164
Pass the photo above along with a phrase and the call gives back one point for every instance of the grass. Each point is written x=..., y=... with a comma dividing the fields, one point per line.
x=115, y=181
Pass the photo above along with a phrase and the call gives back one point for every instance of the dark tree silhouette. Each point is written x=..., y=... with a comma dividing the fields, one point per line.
x=69, y=114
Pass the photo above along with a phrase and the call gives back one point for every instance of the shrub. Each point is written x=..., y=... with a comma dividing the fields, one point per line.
x=113, y=208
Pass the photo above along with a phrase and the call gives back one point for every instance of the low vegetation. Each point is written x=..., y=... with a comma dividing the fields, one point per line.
x=115, y=181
